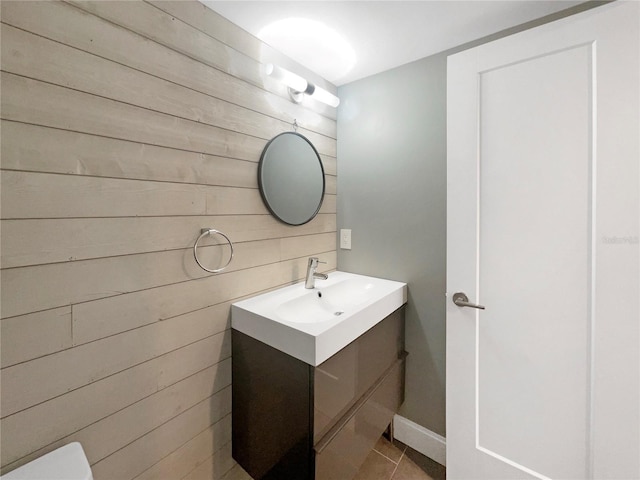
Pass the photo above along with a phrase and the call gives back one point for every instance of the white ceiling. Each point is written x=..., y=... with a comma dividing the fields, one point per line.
x=384, y=34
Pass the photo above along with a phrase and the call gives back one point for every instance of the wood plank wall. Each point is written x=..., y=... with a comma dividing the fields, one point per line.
x=127, y=127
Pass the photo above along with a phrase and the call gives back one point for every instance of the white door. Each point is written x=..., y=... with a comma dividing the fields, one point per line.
x=542, y=229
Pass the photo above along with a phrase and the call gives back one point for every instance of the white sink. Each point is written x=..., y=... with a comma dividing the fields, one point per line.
x=313, y=324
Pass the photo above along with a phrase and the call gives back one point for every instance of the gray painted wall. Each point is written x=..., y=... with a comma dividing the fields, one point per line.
x=392, y=194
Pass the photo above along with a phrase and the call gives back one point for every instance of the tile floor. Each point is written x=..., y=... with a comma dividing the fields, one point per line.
x=236, y=473
x=396, y=461
x=387, y=461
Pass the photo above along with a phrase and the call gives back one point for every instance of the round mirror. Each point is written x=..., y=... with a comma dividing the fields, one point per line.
x=291, y=178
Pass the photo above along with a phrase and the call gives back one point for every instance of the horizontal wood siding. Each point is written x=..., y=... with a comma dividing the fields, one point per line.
x=126, y=127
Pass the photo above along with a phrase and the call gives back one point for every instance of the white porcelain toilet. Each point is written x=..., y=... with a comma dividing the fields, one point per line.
x=65, y=463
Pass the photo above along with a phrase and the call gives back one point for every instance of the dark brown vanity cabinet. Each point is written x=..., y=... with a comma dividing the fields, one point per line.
x=295, y=421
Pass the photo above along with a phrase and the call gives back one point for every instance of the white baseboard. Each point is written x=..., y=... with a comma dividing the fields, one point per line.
x=425, y=441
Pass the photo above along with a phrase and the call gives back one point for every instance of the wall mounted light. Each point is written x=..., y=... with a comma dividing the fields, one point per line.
x=298, y=86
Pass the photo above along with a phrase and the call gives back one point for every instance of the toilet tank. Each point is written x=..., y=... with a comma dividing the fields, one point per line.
x=65, y=463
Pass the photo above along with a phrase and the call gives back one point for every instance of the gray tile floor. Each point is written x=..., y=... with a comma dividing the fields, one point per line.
x=387, y=461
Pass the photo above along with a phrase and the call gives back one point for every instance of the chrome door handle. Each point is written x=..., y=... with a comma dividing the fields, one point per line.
x=461, y=300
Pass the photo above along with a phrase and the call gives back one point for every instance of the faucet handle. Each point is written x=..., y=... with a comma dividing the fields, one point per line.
x=314, y=261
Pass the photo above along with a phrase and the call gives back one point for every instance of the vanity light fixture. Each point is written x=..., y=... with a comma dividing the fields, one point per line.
x=298, y=86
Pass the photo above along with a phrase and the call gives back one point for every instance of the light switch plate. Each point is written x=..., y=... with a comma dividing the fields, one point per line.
x=345, y=238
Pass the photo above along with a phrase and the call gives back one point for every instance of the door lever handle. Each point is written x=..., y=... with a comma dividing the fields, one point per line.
x=461, y=300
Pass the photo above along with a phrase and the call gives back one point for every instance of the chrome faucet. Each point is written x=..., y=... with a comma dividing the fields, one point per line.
x=312, y=274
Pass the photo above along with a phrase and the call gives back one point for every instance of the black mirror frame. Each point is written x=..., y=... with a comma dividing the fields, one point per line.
x=261, y=186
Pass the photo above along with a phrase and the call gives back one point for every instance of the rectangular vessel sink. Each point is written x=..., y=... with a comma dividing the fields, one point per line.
x=314, y=324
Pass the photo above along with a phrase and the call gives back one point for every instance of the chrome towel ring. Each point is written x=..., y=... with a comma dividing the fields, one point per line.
x=211, y=231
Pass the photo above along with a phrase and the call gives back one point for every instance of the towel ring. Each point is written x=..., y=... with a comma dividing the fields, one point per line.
x=211, y=231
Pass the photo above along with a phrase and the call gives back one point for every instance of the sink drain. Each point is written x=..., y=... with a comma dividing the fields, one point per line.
x=338, y=313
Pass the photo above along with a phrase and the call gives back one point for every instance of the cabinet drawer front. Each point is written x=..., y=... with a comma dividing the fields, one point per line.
x=342, y=456
x=341, y=380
